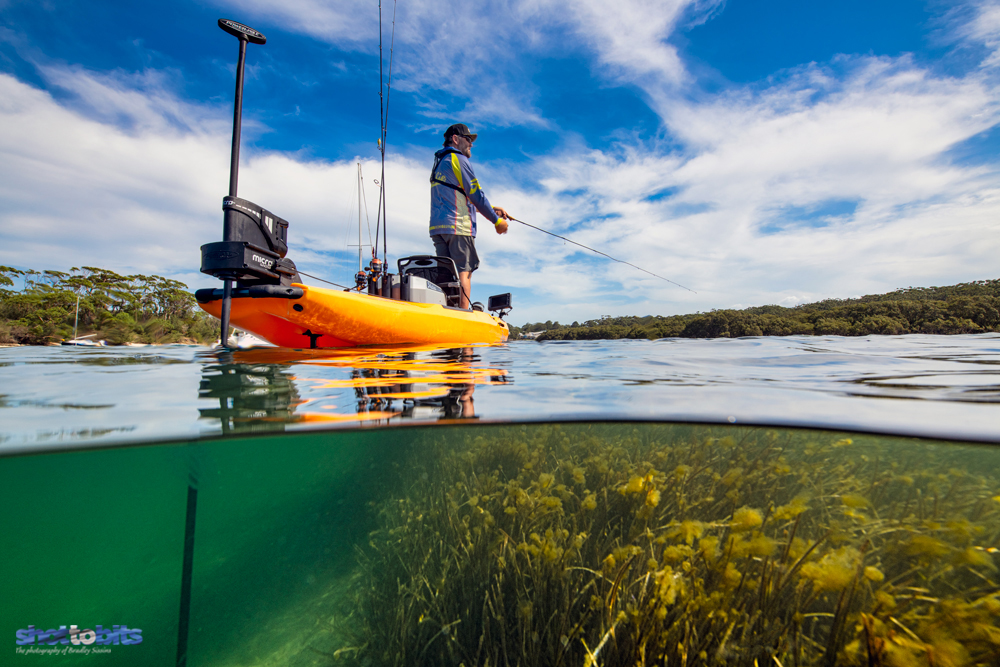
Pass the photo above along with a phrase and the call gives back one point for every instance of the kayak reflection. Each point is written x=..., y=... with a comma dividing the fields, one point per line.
x=269, y=389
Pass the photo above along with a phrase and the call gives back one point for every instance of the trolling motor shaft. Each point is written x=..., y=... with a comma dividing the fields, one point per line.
x=255, y=240
x=244, y=34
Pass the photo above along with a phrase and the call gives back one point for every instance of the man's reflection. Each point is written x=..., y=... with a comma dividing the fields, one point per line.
x=377, y=397
x=458, y=403
x=463, y=392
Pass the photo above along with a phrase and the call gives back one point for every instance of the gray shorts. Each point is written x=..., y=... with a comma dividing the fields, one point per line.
x=462, y=249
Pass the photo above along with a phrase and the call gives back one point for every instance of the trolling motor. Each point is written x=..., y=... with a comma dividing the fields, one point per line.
x=255, y=241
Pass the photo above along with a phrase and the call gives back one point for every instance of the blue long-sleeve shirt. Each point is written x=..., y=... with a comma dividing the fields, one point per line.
x=450, y=209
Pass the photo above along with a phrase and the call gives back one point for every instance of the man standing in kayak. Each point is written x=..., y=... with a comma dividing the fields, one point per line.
x=455, y=198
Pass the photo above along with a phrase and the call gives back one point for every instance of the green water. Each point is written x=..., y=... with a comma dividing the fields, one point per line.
x=378, y=539
x=96, y=537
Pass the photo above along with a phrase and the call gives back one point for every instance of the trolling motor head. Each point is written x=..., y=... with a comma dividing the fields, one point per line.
x=242, y=32
x=254, y=246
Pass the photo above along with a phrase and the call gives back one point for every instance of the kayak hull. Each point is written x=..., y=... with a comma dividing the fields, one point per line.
x=323, y=318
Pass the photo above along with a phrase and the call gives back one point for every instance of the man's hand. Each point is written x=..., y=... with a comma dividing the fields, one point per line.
x=501, y=225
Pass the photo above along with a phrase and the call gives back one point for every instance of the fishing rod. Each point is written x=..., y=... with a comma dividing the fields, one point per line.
x=381, y=215
x=604, y=254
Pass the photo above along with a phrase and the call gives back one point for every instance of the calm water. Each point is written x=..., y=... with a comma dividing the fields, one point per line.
x=315, y=542
x=940, y=386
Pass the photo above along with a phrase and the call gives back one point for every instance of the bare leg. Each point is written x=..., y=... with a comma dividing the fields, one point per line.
x=465, y=280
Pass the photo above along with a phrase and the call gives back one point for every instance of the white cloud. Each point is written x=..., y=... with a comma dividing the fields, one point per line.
x=484, y=53
x=343, y=21
x=78, y=190
x=128, y=176
x=460, y=49
x=138, y=102
x=879, y=136
x=978, y=24
x=630, y=36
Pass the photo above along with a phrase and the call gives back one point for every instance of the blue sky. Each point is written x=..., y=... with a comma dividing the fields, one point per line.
x=756, y=152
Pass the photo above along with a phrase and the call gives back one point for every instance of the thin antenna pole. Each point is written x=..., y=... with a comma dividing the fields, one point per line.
x=385, y=125
x=360, y=266
x=381, y=121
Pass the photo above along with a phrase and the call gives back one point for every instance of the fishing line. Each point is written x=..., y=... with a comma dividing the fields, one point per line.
x=620, y=261
x=321, y=280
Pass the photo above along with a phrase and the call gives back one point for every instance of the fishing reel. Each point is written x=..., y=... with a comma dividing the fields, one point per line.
x=379, y=281
x=361, y=280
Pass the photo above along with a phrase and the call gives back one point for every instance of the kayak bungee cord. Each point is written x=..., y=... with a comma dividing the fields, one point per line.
x=620, y=261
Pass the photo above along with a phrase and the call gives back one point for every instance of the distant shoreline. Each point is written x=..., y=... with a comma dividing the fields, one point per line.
x=965, y=308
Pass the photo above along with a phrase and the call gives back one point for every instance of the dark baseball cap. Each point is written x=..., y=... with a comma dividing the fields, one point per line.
x=459, y=128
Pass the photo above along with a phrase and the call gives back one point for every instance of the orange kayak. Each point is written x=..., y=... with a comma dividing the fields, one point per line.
x=302, y=316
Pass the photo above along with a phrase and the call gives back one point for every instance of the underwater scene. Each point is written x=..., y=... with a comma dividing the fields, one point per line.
x=527, y=544
x=796, y=501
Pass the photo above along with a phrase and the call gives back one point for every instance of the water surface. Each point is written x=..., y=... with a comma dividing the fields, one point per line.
x=939, y=386
x=319, y=538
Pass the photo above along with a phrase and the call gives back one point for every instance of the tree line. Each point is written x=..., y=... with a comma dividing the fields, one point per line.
x=119, y=309
x=972, y=307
